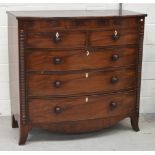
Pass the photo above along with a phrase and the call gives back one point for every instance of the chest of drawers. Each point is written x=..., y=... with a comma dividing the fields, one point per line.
x=74, y=71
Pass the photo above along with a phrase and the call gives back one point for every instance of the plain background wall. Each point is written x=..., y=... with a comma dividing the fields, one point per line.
x=148, y=72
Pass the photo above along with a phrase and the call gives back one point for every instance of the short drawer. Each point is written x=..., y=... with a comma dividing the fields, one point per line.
x=80, y=108
x=49, y=25
x=80, y=59
x=114, y=37
x=79, y=83
x=56, y=39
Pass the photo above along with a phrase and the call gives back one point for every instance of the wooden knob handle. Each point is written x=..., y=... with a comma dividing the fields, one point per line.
x=115, y=57
x=113, y=105
x=57, y=84
x=114, y=79
x=57, y=61
x=57, y=109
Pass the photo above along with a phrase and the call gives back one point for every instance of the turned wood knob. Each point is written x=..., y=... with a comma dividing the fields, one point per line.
x=113, y=105
x=57, y=61
x=57, y=109
x=115, y=57
x=56, y=38
x=114, y=79
x=115, y=36
x=57, y=84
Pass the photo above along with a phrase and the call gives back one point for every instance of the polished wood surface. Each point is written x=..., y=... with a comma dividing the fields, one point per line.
x=74, y=71
x=41, y=60
x=47, y=40
x=78, y=39
x=78, y=83
x=125, y=37
x=83, y=126
x=74, y=109
x=89, y=24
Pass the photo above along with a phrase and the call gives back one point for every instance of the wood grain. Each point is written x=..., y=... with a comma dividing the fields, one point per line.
x=41, y=60
x=81, y=126
x=77, y=83
x=97, y=38
x=46, y=40
x=74, y=109
x=75, y=73
x=67, y=24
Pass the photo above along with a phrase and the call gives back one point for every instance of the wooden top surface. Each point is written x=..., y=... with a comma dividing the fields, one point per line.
x=74, y=13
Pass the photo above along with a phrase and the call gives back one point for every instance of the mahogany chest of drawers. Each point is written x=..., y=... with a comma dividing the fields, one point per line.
x=74, y=71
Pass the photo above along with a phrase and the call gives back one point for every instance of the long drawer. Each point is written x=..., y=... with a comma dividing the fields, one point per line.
x=80, y=108
x=63, y=60
x=79, y=83
x=85, y=23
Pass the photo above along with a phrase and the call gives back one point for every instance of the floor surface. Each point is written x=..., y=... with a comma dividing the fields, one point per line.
x=118, y=137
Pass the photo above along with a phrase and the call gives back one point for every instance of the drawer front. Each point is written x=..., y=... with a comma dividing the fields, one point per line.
x=114, y=37
x=77, y=83
x=80, y=59
x=60, y=24
x=81, y=108
x=56, y=39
